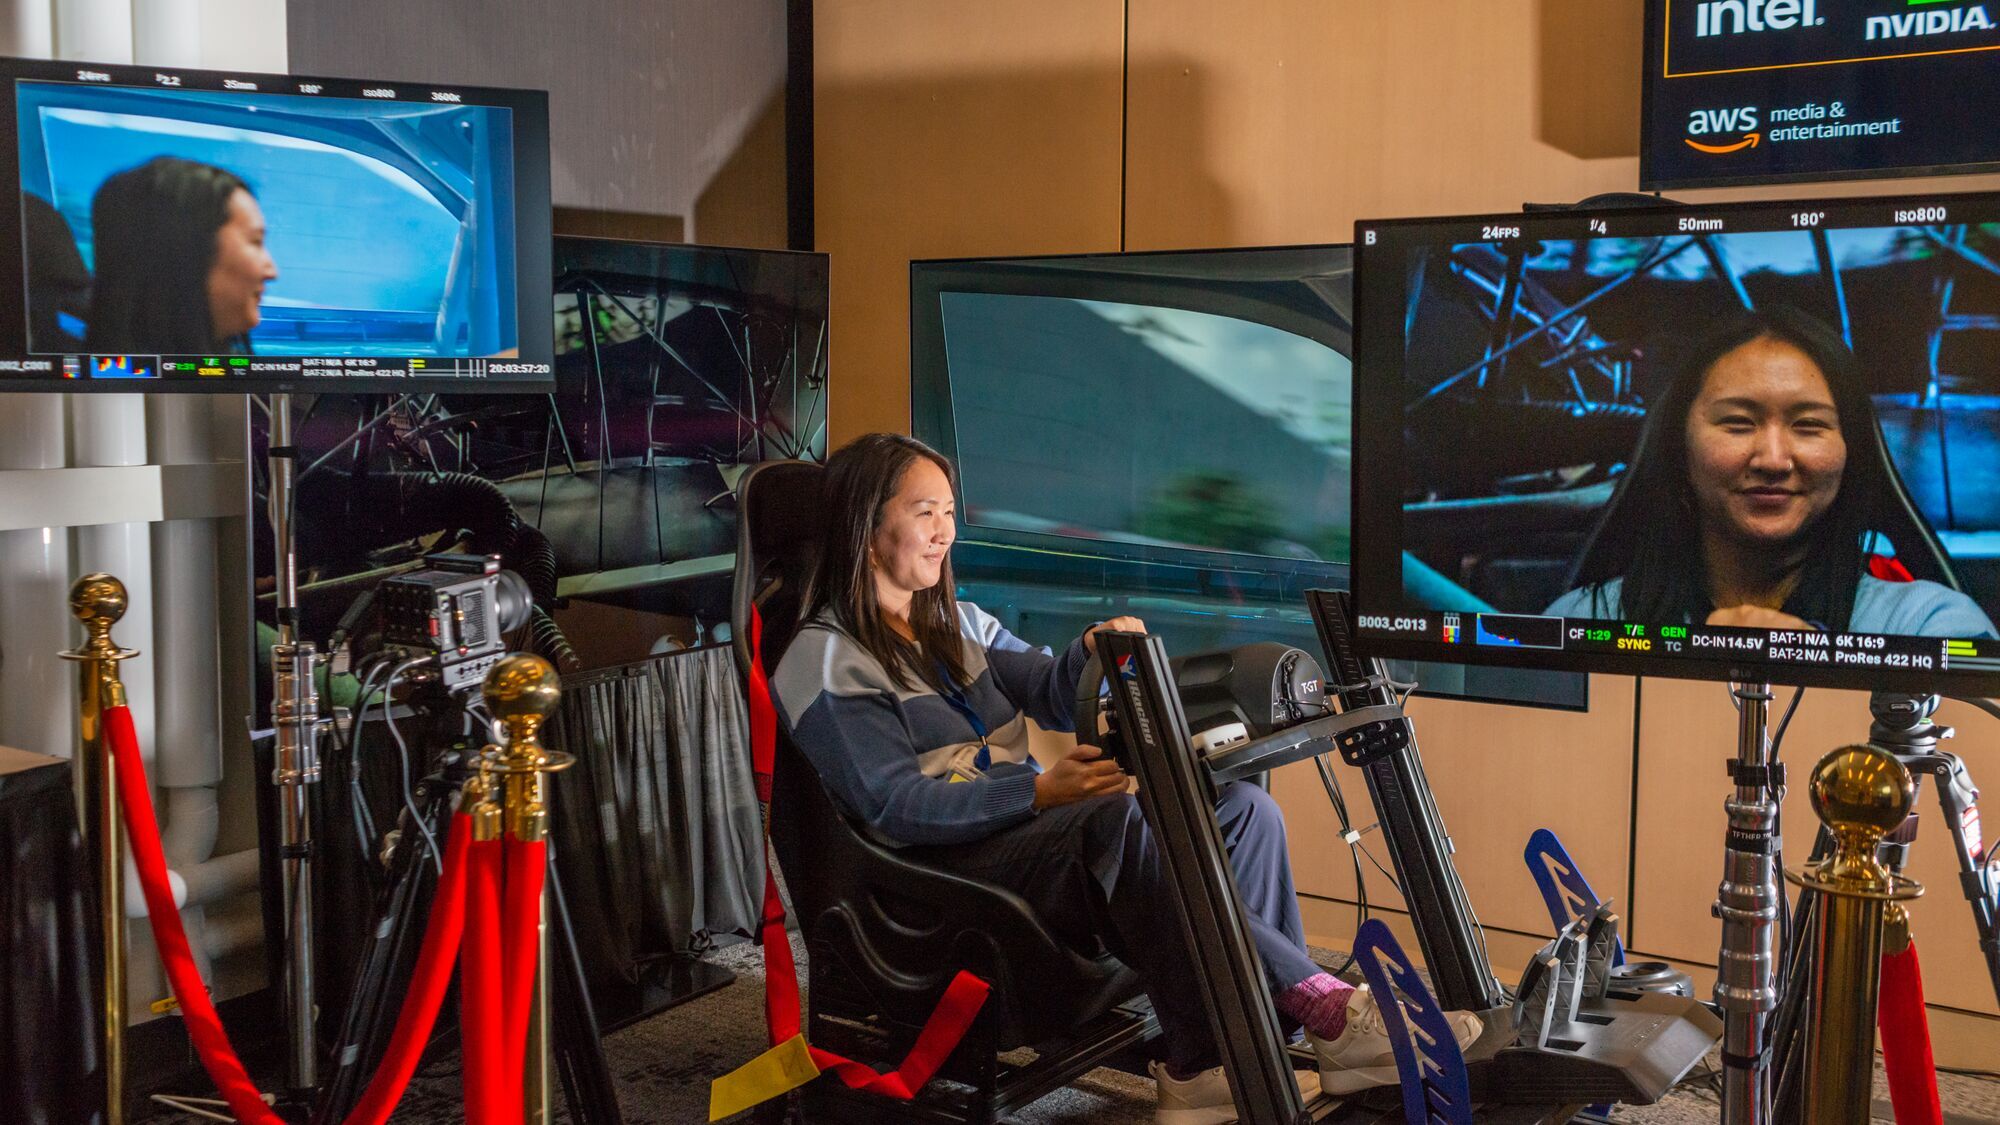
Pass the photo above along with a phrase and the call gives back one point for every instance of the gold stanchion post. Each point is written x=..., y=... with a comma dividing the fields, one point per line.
x=521, y=692
x=99, y=600
x=1860, y=793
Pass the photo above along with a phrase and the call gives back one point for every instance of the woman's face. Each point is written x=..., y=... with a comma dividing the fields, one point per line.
x=242, y=266
x=916, y=533
x=1765, y=451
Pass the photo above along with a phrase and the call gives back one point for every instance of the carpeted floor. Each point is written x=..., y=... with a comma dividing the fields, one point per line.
x=663, y=1067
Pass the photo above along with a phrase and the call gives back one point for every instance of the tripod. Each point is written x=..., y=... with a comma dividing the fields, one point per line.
x=1902, y=726
x=390, y=956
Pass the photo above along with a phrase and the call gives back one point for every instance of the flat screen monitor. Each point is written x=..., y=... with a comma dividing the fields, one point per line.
x=677, y=369
x=1755, y=441
x=1161, y=434
x=183, y=230
x=1773, y=91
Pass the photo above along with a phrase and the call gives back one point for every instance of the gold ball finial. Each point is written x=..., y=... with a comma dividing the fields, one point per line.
x=521, y=691
x=1860, y=793
x=1863, y=787
x=522, y=685
x=98, y=597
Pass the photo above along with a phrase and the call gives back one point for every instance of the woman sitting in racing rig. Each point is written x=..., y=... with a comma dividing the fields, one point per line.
x=913, y=707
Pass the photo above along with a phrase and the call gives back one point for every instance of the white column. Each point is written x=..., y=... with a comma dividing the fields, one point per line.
x=94, y=30
x=110, y=429
x=28, y=29
x=37, y=692
x=167, y=32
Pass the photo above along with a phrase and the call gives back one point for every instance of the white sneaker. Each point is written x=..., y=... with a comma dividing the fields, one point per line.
x=1361, y=1056
x=1205, y=1099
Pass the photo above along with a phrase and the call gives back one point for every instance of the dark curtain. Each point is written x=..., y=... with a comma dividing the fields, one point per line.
x=656, y=827
x=49, y=1027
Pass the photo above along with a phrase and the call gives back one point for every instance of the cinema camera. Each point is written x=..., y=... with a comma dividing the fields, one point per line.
x=458, y=611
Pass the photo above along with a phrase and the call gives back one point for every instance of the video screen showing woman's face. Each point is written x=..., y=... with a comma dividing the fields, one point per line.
x=1764, y=447
x=1777, y=430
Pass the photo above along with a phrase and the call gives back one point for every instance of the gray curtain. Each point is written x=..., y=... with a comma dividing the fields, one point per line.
x=657, y=834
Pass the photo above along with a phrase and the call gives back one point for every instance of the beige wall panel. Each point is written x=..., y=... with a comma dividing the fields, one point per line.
x=1499, y=774
x=946, y=128
x=1687, y=730
x=1284, y=121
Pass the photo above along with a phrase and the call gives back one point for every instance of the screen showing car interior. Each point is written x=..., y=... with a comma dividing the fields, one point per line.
x=1754, y=441
x=1265, y=473
x=193, y=227
x=1167, y=435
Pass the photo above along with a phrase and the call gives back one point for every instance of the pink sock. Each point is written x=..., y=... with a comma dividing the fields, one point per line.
x=1319, y=1002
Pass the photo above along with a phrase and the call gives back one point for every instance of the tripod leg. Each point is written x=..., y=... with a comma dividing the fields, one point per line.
x=586, y=1074
x=1979, y=877
x=388, y=961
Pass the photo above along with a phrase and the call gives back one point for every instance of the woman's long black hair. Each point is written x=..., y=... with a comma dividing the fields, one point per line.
x=861, y=479
x=1651, y=531
x=153, y=241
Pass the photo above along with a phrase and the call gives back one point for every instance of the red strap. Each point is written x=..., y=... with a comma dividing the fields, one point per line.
x=1906, y=1041
x=955, y=1010
x=1889, y=568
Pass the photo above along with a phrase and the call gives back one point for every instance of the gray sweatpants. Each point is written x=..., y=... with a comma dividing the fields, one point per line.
x=1093, y=872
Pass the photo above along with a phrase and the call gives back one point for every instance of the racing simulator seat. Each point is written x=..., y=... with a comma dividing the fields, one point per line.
x=884, y=935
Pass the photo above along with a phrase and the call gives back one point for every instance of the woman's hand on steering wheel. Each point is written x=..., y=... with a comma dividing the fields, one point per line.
x=1084, y=774
x=1116, y=625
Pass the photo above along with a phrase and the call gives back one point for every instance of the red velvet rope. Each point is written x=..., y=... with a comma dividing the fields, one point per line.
x=1906, y=1041
x=485, y=1076
x=955, y=1010
x=211, y=1041
x=526, y=866
x=204, y=1026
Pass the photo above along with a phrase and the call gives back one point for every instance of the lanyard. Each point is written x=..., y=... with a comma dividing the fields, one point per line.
x=959, y=703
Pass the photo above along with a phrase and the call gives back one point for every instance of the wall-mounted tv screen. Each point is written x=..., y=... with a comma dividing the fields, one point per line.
x=1754, y=441
x=1769, y=91
x=182, y=230
x=1165, y=435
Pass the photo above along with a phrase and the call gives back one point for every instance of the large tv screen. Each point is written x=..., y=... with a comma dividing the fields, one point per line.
x=201, y=231
x=1166, y=435
x=1768, y=91
x=677, y=368
x=1754, y=441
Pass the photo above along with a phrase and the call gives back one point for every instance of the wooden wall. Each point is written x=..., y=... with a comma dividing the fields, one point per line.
x=955, y=127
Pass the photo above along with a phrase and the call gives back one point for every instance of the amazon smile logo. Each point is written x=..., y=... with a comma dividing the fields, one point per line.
x=1714, y=124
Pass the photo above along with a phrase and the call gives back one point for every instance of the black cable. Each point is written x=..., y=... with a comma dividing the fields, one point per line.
x=403, y=757
x=1778, y=738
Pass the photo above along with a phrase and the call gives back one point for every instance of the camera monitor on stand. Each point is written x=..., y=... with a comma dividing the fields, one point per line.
x=180, y=230
x=1752, y=442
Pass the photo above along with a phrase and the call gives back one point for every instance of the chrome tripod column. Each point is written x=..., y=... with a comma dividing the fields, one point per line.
x=295, y=715
x=1860, y=793
x=99, y=600
x=521, y=692
x=1748, y=901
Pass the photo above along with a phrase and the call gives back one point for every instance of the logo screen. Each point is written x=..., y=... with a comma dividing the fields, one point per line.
x=1749, y=91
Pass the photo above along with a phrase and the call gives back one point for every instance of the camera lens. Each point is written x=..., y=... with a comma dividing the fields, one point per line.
x=511, y=600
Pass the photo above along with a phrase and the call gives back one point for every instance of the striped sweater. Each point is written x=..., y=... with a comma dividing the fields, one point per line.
x=905, y=760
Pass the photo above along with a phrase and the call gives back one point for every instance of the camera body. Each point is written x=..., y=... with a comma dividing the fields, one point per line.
x=458, y=611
